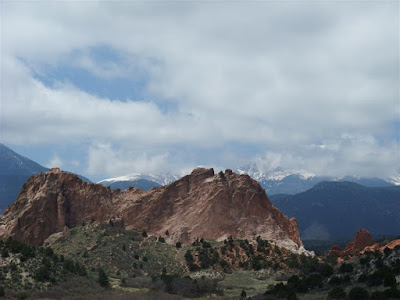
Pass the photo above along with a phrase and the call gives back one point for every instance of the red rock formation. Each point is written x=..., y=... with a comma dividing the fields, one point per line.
x=50, y=201
x=202, y=204
x=361, y=240
x=336, y=250
x=390, y=245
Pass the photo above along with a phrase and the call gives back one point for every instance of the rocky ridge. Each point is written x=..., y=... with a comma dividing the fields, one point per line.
x=202, y=204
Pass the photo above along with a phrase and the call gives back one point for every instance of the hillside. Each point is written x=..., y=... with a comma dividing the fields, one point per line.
x=332, y=210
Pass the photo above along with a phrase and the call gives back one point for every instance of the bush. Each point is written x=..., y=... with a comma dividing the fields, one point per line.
x=358, y=293
x=144, y=233
x=378, y=296
x=4, y=253
x=2, y=293
x=326, y=270
x=103, y=278
x=178, y=245
x=362, y=278
x=43, y=274
x=22, y=295
x=335, y=280
x=392, y=293
x=337, y=293
x=346, y=268
x=389, y=279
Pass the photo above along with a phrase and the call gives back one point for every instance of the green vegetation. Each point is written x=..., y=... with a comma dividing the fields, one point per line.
x=27, y=267
x=103, y=278
x=132, y=263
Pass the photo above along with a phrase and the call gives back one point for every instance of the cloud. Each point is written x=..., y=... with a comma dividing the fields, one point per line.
x=55, y=162
x=103, y=158
x=306, y=85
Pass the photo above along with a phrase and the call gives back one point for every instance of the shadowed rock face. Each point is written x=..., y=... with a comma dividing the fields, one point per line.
x=202, y=204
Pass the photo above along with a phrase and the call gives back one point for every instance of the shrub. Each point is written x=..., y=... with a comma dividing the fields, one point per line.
x=178, y=244
x=144, y=233
x=358, y=293
x=206, y=245
x=4, y=252
x=346, y=268
x=2, y=293
x=313, y=281
x=389, y=279
x=392, y=293
x=377, y=295
x=335, y=280
x=103, y=278
x=326, y=270
x=362, y=278
x=42, y=274
x=22, y=295
x=337, y=293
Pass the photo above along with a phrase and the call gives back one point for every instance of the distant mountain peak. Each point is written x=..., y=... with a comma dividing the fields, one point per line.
x=11, y=163
x=161, y=179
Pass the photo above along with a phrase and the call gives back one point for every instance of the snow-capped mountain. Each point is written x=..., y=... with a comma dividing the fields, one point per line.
x=276, y=181
x=142, y=181
x=280, y=181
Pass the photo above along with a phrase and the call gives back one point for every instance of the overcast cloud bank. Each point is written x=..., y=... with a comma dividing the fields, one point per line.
x=311, y=86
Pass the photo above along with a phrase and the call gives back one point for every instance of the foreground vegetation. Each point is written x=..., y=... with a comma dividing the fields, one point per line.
x=106, y=262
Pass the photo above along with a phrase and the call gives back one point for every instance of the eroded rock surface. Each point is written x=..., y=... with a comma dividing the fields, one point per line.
x=202, y=204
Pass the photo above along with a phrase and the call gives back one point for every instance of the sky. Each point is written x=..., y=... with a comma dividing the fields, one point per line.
x=109, y=88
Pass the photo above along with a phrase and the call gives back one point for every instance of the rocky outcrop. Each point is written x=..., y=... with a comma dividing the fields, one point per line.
x=202, y=204
x=50, y=201
x=391, y=245
x=361, y=240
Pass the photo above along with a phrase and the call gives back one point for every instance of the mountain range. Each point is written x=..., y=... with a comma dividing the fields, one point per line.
x=275, y=181
x=280, y=181
x=337, y=209
x=324, y=209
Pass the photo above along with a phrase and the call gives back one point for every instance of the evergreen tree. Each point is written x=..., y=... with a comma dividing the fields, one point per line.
x=103, y=278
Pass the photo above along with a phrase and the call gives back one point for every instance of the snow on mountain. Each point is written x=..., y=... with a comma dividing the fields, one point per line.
x=275, y=181
x=280, y=181
x=394, y=179
x=275, y=174
x=162, y=178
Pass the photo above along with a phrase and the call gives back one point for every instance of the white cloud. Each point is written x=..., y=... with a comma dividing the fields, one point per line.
x=277, y=76
x=104, y=159
x=55, y=162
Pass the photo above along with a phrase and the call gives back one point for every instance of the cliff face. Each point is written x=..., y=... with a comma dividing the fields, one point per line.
x=202, y=204
x=50, y=201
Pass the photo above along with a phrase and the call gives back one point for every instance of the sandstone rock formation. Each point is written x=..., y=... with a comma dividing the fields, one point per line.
x=202, y=204
x=361, y=240
x=391, y=245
